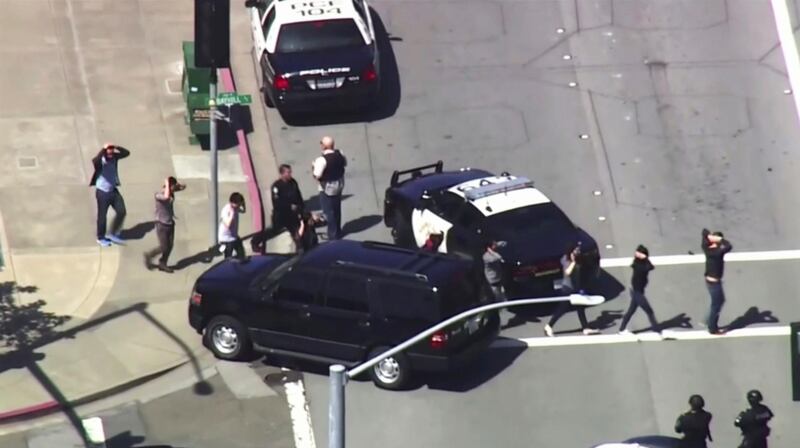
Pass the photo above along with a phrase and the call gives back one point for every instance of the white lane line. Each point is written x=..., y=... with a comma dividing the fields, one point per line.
x=666, y=260
x=301, y=417
x=679, y=335
x=243, y=381
x=789, y=47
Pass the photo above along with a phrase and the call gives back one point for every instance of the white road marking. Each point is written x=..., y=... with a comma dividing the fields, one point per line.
x=669, y=335
x=301, y=417
x=789, y=47
x=666, y=260
x=243, y=381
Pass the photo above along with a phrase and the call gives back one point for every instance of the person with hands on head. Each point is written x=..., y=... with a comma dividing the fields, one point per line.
x=228, y=231
x=165, y=224
x=641, y=269
x=105, y=180
x=570, y=284
x=715, y=246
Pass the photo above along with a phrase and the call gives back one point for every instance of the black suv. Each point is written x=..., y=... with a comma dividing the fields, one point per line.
x=344, y=302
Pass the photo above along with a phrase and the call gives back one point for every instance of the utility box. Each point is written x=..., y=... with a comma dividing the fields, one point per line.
x=195, y=84
x=795, y=359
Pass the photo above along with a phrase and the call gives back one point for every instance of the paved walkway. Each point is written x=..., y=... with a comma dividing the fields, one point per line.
x=78, y=321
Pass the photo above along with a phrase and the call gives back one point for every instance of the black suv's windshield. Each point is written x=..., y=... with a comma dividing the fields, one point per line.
x=278, y=272
x=318, y=36
x=537, y=218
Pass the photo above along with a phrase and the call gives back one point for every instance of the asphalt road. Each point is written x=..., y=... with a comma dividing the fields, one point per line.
x=688, y=127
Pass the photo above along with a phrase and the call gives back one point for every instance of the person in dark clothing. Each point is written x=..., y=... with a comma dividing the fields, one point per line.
x=569, y=285
x=165, y=225
x=493, y=270
x=641, y=269
x=694, y=424
x=329, y=169
x=287, y=202
x=105, y=180
x=306, y=235
x=754, y=422
x=715, y=247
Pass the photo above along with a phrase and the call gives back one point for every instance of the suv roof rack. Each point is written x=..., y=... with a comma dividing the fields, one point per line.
x=490, y=189
x=369, y=267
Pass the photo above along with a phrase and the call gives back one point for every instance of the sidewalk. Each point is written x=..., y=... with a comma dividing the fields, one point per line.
x=79, y=321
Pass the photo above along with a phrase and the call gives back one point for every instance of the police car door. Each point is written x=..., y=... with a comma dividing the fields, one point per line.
x=262, y=17
x=435, y=216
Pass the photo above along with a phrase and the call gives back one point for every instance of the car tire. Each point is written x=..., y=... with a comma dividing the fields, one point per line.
x=227, y=338
x=401, y=232
x=393, y=373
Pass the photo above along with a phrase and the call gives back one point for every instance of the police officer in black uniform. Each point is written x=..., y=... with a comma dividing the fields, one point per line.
x=287, y=202
x=694, y=424
x=753, y=422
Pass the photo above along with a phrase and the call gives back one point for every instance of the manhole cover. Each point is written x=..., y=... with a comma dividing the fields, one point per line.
x=27, y=162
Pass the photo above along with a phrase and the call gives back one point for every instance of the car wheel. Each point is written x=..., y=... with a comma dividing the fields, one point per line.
x=402, y=231
x=391, y=373
x=227, y=338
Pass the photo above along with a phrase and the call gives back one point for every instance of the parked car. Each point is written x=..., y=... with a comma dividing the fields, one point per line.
x=342, y=303
x=645, y=442
x=470, y=207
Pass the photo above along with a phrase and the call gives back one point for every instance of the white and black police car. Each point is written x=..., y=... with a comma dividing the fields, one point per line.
x=644, y=442
x=470, y=207
x=315, y=53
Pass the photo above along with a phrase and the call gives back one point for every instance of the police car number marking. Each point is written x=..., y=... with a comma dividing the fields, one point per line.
x=316, y=8
x=324, y=71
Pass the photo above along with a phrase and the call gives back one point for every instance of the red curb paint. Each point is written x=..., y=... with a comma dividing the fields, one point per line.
x=22, y=412
x=254, y=192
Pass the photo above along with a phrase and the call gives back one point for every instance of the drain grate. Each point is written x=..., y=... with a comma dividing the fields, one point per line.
x=27, y=162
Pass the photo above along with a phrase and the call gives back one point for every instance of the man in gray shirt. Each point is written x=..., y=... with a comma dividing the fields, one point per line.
x=165, y=225
x=493, y=270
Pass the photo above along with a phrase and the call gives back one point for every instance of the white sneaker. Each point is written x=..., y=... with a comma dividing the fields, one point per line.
x=548, y=330
x=588, y=331
x=625, y=332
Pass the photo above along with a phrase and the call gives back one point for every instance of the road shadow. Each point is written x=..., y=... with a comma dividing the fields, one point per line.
x=486, y=367
x=361, y=224
x=128, y=440
x=388, y=99
x=27, y=338
x=241, y=119
x=138, y=231
x=751, y=317
x=205, y=256
x=679, y=321
x=606, y=285
x=606, y=319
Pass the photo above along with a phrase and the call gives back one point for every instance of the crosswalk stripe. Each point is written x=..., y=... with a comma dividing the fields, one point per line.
x=666, y=260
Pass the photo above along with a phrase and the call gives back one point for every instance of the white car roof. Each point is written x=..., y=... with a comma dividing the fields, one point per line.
x=497, y=194
x=296, y=11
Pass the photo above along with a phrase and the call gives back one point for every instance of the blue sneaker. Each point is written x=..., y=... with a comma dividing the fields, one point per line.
x=115, y=239
x=103, y=242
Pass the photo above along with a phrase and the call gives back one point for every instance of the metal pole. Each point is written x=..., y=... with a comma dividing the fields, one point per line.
x=212, y=129
x=338, y=380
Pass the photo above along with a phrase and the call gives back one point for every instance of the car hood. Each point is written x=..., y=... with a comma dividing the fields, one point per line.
x=240, y=273
x=346, y=61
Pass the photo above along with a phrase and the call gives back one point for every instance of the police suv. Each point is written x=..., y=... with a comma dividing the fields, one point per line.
x=315, y=53
x=470, y=207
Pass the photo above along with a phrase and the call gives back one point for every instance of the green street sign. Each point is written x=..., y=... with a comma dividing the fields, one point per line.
x=229, y=98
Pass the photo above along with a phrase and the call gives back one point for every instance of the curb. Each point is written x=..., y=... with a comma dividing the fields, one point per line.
x=247, y=162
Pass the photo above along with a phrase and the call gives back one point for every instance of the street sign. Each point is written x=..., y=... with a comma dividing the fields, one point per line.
x=229, y=98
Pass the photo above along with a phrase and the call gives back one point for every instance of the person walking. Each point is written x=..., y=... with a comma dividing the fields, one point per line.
x=493, y=270
x=694, y=424
x=329, y=169
x=715, y=246
x=165, y=225
x=228, y=231
x=570, y=284
x=105, y=181
x=287, y=201
x=641, y=269
x=754, y=422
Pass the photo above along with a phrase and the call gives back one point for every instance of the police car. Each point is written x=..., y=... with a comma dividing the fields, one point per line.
x=315, y=53
x=469, y=207
x=645, y=442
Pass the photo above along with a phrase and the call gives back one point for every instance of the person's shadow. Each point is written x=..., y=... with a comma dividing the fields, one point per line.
x=751, y=317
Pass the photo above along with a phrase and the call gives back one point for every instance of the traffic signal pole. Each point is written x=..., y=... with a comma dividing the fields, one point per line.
x=339, y=376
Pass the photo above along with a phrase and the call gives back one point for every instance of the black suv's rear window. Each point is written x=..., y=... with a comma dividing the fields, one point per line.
x=319, y=35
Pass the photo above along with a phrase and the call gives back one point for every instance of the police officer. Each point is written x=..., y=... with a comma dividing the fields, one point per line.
x=694, y=424
x=753, y=422
x=287, y=201
x=328, y=169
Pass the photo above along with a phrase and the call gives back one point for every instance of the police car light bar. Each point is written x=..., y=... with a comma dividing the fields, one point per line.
x=499, y=187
